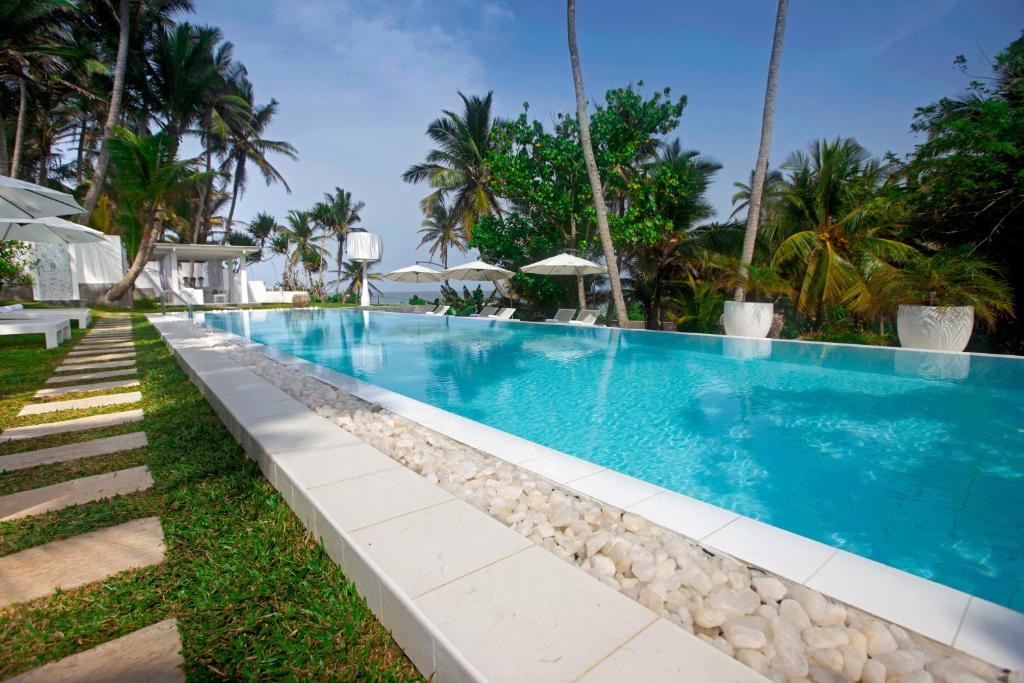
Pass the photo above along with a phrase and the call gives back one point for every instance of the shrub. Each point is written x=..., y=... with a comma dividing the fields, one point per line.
x=300, y=300
x=14, y=264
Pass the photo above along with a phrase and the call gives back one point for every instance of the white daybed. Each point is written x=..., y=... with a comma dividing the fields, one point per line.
x=55, y=331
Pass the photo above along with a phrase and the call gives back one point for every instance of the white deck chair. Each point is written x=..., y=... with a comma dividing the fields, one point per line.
x=587, y=316
x=440, y=310
x=503, y=314
x=562, y=315
x=485, y=312
x=83, y=316
x=54, y=330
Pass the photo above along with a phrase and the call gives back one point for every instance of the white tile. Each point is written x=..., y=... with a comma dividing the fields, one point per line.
x=614, y=487
x=794, y=557
x=516, y=450
x=362, y=574
x=450, y=665
x=665, y=653
x=533, y=617
x=924, y=606
x=279, y=434
x=354, y=503
x=993, y=633
x=317, y=467
x=425, y=549
x=682, y=514
x=560, y=468
x=409, y=629
x=243, y=408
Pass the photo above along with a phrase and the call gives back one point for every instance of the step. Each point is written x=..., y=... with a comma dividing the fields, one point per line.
x=90, y=366
x=86, y=347
x=73, y=451
x=103, y=374
x=149, y=655
x=77, y=424
x=79, y=560
x=74, y=492
x=105, y=354
x=83, y=388
x=82, y=403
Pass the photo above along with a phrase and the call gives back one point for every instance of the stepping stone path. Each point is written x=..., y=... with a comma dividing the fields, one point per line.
x=74, y=492
x=82, y=559
x=149, y=655
x=82, y=403
x=82, y=388
x=74, y=451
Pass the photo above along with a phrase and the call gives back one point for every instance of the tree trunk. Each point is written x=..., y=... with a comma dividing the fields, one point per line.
x=595, y=179
x=4, y=161
x=199, y=219
x=120, y=288
x=231, y=212
x=761, y=167
x=19, y=128
x=80, y=156
x=99, y=175
x=654, y=312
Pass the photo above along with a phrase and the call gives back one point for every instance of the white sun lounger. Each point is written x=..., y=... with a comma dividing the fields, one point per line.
x=587, y=316
x=83, y=316
x=562, y=315
x=440, y=310
x=485, y=312
x=55, y=331
x=503, y=314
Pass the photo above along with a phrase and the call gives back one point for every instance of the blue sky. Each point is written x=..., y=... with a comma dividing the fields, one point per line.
x=358, y=82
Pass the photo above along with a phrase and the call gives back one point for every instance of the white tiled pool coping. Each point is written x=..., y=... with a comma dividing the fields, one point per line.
x=952, y=617
x=466, y=598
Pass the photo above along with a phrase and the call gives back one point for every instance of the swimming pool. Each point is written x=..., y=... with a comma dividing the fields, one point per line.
x=914, y=459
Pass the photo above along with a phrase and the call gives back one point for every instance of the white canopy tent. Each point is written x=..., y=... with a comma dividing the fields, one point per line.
x=477, y=271
x=50, y=229
x=211, y=279
x=416, y=273
x=19, y=199
x=564, y=264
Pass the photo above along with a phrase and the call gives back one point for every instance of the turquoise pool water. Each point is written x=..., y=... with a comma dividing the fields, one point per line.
x=912, y=459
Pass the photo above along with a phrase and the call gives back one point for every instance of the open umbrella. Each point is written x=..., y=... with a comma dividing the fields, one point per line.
x=477, y=271
x=19, y=199
x=415, y=273
x=50, y=229
x=564, y=264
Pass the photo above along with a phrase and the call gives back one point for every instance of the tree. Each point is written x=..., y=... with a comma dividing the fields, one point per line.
x=352, y=273
x=336, y=215
x=595, y=179
x=246, y=144
x=149, y=178
x=301, y=241
x=457, y=168
x=15, y=261
x=261, y=229
x=442, y=232
x=761, y=167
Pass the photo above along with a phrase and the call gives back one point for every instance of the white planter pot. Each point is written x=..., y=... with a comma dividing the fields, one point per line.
x=747, y=319
x=937, y=328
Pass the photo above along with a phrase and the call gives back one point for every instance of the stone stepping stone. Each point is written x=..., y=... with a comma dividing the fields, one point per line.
x=81, y=388
x=73, y=451
x=82, y=559
x=85, y=376
x=74, y=492
x=82, y=403
x=114, y=354
x=92, y=347
x=78, y=424
x=149, y=655
x=103, y=357
x=88, y=366
x=106, y=336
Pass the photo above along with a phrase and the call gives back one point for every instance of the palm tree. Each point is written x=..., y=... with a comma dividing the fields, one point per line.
x=352, y=273
x=442, y=232
x=839, y=222
x=302, y=240
x=595, y=179
x=336, y=215
x=761, y=167
x=457, y=168
x=150, y=178
x=246, y=144
x=262, y=229
x=771, y=194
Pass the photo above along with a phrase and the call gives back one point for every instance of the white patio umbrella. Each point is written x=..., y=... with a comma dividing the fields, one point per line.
x=19, y=199
x=564, y=264
x=50, y=229
x=416, y=273
x=477, y=271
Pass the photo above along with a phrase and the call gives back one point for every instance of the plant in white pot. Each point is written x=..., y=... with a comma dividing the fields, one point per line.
x=754, y=316
x=944, y=293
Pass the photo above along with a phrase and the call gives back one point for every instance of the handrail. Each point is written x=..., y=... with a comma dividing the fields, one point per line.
x=163, y=302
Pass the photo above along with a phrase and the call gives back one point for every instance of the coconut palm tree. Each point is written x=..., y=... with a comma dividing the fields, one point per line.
x=441, y=230
x=149, y=179
x=262, y=229
x=771, y=195
x=757, y=184
x=352, y=273
x=840, y=225
x=336, y=215
x=246, y=144
x=457, y=168
x=595, y=179
x=301, y=238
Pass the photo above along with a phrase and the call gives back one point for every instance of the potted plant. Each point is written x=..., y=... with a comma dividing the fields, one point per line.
x=945, y=293
x=754, y=316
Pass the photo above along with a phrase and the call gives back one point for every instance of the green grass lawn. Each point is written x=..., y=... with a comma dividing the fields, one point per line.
x=254, y=595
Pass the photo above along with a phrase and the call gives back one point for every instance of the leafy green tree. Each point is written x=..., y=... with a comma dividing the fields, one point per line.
x=442, y=232
x=351, y=275
x=15, y=261
x=300, y=240
x=336, y=215
x=955, y=277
